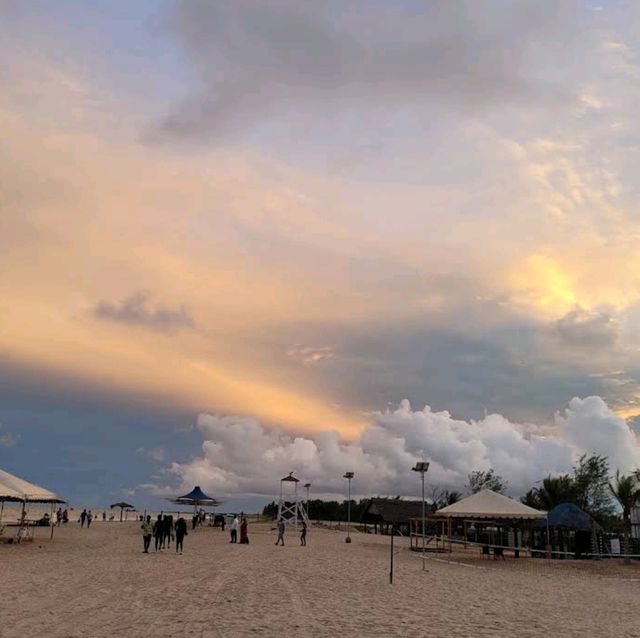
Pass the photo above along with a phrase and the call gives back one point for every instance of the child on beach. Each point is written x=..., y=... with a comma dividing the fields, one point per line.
x=303, y=535
x=281, y=528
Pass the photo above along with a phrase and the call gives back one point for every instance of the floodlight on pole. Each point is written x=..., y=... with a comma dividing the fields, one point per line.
x=348, y=476
x=422, y=467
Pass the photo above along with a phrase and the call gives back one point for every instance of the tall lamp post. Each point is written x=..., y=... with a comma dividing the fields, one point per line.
x=348, y=476
x=306, y=487
x=422, y=467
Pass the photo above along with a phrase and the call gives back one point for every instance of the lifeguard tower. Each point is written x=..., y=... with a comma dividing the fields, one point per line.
x=290, y=507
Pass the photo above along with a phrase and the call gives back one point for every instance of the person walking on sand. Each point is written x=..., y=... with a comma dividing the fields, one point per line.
x=244, y=532
x=59, y=516
x=168, y=531
x=181, y=532
x=281, y=528
x=89, y=518
x=83, y=518
x=303, y=535
x=158, y=532
x=147, y=532
x=234, y=530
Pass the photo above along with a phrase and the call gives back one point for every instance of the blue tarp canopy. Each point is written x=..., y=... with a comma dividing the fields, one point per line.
x=570, y=516
x=195, y=497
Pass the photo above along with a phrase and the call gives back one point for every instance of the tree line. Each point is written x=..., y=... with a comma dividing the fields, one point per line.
x=589, y=485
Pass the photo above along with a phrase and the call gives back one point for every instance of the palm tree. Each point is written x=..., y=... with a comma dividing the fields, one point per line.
x=627, y=493
x=453, y=497
x=555, y=490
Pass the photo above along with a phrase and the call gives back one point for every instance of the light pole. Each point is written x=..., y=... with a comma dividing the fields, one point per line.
x=306, y=487
x=422, y=467
x=348, y=476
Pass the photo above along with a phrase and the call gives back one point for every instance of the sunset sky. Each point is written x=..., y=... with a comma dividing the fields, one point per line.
x=239, y=235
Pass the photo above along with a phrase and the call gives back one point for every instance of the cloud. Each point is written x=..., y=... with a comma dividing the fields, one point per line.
x=8, y=439
x=256, y=59
x=156, y=453
x=310, y=355
x=240, y=456
x=587, y=329
x=137, y=310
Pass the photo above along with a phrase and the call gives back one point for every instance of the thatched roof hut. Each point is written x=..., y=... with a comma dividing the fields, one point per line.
x=390, y=511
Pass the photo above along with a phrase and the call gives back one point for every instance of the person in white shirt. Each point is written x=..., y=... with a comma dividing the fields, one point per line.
x=234, y=530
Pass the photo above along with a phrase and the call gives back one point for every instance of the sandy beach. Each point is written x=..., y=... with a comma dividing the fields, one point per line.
x=98, y=582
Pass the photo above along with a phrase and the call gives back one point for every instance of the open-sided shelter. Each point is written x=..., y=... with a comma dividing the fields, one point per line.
x=488, y=517
x=197, y=498
x=17, y=490
x=13, y=488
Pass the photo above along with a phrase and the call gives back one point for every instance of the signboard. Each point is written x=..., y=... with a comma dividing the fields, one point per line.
x=615, y=545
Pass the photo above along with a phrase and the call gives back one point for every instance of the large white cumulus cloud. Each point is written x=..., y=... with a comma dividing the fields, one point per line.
x=240, y=456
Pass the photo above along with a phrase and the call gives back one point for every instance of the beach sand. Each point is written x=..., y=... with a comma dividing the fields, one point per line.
x=97, y=582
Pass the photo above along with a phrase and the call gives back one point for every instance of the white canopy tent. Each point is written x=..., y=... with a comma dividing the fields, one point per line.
x=492, y=509
x=490, y=505
x=13, y=488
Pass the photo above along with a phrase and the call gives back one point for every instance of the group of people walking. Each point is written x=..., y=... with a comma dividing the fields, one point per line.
x=164, y=531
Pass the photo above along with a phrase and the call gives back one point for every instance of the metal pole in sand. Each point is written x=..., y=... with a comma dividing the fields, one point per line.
x=422, y=467
x=348, y=476
x=391, y=556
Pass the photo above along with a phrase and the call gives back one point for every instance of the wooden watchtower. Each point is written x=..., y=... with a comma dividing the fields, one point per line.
x=290, y=506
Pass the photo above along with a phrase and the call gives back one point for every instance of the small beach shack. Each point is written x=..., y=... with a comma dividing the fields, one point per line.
x=489, y=519
x=383, y=513
x=569, y=530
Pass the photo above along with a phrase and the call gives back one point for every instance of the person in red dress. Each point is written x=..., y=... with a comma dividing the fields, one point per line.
x=244, y=533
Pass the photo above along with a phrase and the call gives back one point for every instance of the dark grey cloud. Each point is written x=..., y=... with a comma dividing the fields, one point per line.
x=140, y=311
x=476, y=354
x=585, y=329
x=253, y=58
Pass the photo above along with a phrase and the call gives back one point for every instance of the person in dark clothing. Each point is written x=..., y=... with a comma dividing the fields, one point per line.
x=303, y=535
x=168, y=531
x=158, y=532
x=194, y=521
x=281, y=528
x=83, y=518
x=181, y=532
x=244, y=532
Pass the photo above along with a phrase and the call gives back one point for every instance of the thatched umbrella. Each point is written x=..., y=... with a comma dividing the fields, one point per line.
x=122, y=506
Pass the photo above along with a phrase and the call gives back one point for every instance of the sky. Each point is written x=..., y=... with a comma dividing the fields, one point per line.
x=242, y=239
